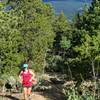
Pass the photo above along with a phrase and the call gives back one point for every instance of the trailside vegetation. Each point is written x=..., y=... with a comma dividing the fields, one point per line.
x=25, y=34
x=30, y=31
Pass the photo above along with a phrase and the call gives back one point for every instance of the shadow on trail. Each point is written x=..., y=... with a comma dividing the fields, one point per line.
x=11, y=97
x=54, y=93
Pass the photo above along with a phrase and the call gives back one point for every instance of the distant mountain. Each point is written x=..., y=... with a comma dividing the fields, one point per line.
x=69, y=0
x=69, y=7
x=84, y=0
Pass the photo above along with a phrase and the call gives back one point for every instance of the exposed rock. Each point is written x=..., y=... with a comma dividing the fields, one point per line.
x=57, y=81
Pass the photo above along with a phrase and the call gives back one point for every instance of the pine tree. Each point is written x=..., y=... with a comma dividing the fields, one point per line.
x=10, y=42
x=37, y=31
x=88, y=29
x=61, y=44
x=25, y=34
x=90, y=20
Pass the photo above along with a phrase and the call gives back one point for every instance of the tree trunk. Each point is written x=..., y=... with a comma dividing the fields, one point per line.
x=93, y=70
x=94, y=77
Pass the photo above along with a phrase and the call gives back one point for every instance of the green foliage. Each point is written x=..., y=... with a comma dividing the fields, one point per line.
x=77, y=42
x=28, y=31
x=10, y=40
x=72, y=94
x=25, y=34
x=66, y=44
x=85, y=39
x=90, y=20
x=62, y=25
x=61, y=43
x=90, y=47
x=37, y=32
x=83, y=91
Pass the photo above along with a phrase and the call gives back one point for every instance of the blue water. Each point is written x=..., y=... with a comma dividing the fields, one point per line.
x=69, y=7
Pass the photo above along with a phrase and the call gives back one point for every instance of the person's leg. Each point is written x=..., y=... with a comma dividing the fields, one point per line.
x=29, y=92
x=25, y=93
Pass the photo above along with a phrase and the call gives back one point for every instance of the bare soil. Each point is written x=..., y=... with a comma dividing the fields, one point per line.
x=52, y=94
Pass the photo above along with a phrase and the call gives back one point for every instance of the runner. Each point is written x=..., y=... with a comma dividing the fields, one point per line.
x=27, y=79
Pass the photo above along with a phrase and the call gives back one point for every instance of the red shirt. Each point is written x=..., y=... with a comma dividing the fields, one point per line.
x=26, y=78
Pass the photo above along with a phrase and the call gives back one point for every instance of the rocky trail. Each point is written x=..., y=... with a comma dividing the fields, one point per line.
x=19, y=96
x=52, y=91
x=52, y=94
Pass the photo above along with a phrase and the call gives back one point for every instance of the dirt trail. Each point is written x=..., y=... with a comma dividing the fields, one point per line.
x=52, y=94
x=19, y=96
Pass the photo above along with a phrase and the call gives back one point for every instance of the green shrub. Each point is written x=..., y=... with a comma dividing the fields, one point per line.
x=73, y=93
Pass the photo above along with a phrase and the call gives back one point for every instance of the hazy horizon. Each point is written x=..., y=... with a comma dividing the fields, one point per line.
x=69, y=7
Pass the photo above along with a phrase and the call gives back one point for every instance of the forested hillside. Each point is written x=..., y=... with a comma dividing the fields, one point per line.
x=26, y=34
x=30, y=32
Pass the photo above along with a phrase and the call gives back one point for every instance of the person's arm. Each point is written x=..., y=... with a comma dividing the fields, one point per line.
x=20, y=77
x=33, y=77
x=33, y=74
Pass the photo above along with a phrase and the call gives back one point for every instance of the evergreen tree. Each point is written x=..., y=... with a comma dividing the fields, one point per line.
x=89, y=50
x=26, y=34
x=87, y=36
x=10, y=42
x=61, y=44
x=90, y=19
x=37, y=31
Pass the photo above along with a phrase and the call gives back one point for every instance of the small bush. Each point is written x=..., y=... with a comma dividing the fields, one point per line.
x=76, y=93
